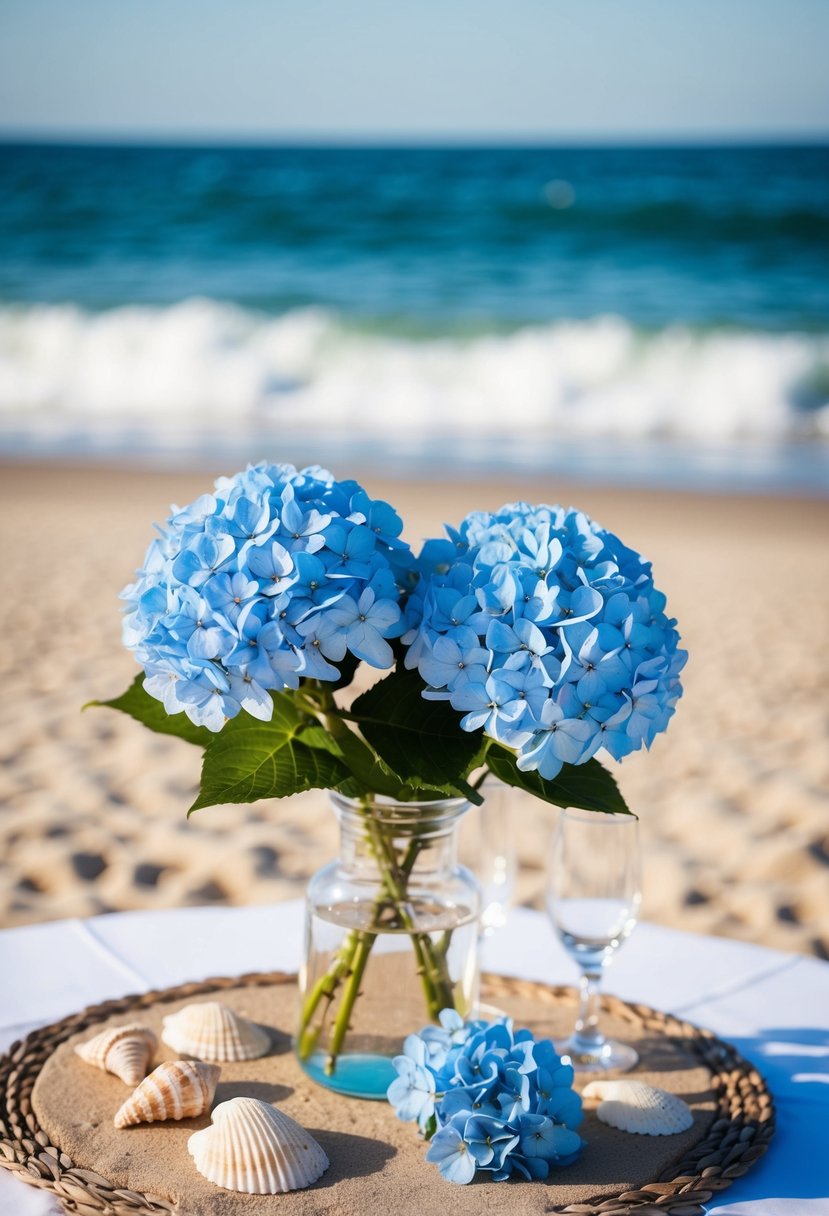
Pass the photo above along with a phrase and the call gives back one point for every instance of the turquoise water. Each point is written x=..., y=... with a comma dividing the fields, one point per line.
x=641, y=313
x=357, y=1075
x=415, y=239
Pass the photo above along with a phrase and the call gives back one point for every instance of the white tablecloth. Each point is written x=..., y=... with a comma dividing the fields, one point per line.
x=773, y=1006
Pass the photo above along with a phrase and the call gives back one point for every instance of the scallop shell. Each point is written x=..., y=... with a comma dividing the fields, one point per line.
x=253, y=1147
x=632, y=1106
x=125, y=1051
x=209, y=1030
x=177, y=1089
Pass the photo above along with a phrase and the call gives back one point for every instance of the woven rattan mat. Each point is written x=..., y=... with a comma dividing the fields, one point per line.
x=56, y=1121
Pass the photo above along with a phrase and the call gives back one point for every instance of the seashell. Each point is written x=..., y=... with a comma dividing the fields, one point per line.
x=632, y=1106
x=125, y=1051
x=253, y=1147
x=177, y=1089
x=209, y=1030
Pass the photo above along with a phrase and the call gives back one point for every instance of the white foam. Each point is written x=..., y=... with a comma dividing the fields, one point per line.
x=212, y=366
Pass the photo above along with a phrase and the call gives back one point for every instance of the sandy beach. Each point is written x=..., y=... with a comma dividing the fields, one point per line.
x=732, y=799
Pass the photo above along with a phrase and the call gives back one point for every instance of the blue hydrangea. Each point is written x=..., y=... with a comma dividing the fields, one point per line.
x=276, y=576
x=547, y=632
x=490, y=1098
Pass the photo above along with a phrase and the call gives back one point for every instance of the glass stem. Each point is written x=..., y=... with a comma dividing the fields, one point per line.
x=587, y=1033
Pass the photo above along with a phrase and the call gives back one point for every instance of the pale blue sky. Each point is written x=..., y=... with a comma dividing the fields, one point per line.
x=488, y=69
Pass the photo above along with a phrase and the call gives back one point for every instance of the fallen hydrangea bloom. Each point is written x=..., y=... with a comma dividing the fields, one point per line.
x=489, y=1097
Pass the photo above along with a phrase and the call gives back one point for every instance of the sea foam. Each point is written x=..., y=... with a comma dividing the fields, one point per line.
x=204, y=364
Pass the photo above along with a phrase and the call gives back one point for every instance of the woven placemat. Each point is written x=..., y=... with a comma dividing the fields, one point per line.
x=736, y=1134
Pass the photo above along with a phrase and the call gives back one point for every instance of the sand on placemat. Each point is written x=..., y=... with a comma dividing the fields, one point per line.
x=377, y=1162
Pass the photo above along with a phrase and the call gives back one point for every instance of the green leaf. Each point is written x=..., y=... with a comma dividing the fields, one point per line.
x=320, y=738
x=249, y=760
x=368, y=773
x=421, y=741
x=151, y=713
x=588, y=786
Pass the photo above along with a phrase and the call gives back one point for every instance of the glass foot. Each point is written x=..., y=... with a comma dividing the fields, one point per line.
x=608, y=1056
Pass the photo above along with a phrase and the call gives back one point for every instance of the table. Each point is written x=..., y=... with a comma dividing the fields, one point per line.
x=774, y=1007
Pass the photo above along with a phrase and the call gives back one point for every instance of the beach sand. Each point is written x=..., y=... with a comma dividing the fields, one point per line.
x=732, y=799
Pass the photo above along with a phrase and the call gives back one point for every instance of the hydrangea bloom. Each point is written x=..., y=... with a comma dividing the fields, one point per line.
x=492, y=1098
x=546, y=631
x=273, y=577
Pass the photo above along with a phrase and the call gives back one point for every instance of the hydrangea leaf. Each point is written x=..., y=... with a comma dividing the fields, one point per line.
x=421, y=741
x=318, y=737
x=249, y=760
x=151, y=713
x=369, y=774
x=588, y=786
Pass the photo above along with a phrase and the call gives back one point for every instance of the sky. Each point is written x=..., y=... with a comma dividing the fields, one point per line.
x=502, y=70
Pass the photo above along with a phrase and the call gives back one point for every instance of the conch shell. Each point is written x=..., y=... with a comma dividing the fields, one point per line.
x=125, y=1051
x=177, y=1089
x=209, y=1030
x=632, y=1106
x=253, y=1147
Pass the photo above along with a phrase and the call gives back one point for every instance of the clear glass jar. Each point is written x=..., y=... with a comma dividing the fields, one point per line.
x=391, y=939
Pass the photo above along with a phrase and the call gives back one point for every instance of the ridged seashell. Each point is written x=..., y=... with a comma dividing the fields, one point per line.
x=209, y=1030
x=253, y=1147
x=125, y=1051
x=177, y=1089
x=632, y=1106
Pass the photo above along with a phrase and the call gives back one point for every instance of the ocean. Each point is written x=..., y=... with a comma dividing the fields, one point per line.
x=632, y=315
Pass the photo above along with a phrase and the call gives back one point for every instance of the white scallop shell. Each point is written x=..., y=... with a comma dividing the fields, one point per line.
x=125, y=1051
x=209, y=1030
x=177, y=1089
x=253, y=1147
x=632, y=1106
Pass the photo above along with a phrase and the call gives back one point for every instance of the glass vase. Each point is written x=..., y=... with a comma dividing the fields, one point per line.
x=391, y=939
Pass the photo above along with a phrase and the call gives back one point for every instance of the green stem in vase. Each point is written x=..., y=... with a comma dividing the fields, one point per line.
x=436, y=951
x=348, y=966
x=325, y=988
x=396, y=885
x=353, y=954
x=352, y=991
x=431, y=955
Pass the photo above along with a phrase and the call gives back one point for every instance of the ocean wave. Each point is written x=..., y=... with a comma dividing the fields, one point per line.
x=204, y=364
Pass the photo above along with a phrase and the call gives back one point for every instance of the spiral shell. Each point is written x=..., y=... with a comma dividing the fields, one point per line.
x=125, y=1051
x=209, y=1030
x=253, y=1147
x=632, y=1106
x=177, y=1089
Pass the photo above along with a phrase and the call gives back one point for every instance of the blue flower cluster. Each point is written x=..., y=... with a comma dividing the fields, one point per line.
x=547, y=632
x=491, y=1097
x=272, y=578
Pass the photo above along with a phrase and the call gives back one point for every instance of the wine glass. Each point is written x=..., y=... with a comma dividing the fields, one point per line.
x=496, y=862
x=593, y=898
x=488, y=848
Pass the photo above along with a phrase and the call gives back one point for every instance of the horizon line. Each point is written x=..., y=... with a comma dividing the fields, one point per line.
x=425, y=140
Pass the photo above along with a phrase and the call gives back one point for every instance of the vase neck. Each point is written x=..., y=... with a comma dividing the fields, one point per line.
x=421, y=836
